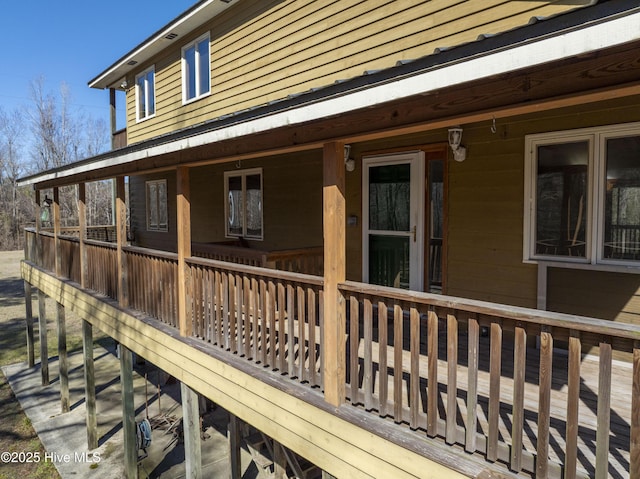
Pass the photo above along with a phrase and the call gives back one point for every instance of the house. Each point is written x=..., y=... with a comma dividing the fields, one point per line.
x=399, y=238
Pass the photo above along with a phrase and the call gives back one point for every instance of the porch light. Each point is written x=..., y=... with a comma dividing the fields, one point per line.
x=45, y=214
x=455, y=138
x=349, y=163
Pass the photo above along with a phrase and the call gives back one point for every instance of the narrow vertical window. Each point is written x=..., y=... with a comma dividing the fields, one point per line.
x=145, y=94
x=196, y=69
x=157, y=205
x=244, y=204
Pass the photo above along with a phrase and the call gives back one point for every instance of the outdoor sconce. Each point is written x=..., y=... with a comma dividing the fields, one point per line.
x=349, y=163
x=455, y=138
x=45, y=214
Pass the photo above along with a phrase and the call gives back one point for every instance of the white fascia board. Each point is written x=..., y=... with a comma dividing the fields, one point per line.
x=605, y=34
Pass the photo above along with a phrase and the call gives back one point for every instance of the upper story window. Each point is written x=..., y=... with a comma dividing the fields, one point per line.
x=146, y=94
x=196, y=69
x=582, y=196
x=243, y=208
x=157, y=205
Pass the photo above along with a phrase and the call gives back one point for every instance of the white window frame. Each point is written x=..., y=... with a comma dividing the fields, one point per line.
x=243, y=175
x=198, y=94
x=159, y=227
x=597, y=139
x=141, y=116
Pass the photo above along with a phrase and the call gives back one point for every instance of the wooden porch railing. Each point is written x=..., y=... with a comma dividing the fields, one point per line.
x=422, y=360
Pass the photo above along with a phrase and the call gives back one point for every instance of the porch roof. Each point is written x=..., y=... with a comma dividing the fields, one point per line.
x=602, y=26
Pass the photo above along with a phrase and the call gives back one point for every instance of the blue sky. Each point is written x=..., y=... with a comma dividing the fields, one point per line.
x=72, y=41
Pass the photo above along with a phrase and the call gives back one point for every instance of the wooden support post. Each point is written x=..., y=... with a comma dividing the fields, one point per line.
x=279, y=461
x=82, y=223
x=29, y=317
x=89, y=385
x=191, y=428
x=63, y=364
x=326, y=475
x=112, y=116
x=333, y=214
x=56, y=231
x=38, y=259
x=128, y=414
x=42, y=330
x=235, y=442
x=183, y=200
x=121, y=235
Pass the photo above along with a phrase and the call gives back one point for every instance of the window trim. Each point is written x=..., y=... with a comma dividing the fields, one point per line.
x=160, y=228
x=139, y=118
x=183, y=63
x=596, y=182
x=243, y=174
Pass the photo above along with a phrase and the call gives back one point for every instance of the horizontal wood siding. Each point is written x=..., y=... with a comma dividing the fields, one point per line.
x=264, y=51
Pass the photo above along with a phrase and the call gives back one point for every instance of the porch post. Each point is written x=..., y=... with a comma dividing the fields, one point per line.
x=235, y=440
x=183, y=200
x=63, y=365
x=89, y=385
x=29, y=313
x=112, y=115
x=191, y=426
x=121, y=235
x=38, y=259
x=82, y=222
x=56, y=231
x=333, y=215
x=128, y=414
x=42, y=331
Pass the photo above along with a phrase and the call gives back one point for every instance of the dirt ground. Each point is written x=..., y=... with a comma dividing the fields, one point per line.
x=16, y=433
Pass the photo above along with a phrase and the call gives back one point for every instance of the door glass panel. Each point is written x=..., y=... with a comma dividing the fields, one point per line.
x=436, y=224
x=622, y=204
x=389, y=197
x=389, y=261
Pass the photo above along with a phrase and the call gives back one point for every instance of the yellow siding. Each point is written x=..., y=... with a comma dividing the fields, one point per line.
x=263, y=52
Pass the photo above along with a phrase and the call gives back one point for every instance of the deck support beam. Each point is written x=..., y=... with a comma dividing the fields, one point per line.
x=128, y=413
x=29, y=318
x=191, y=425
x=89, y=385
x=183, y=201
x=333, y=220
x=42, y=332
x=63, y=364
x=235, y=442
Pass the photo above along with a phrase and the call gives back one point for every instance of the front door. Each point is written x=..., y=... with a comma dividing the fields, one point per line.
x=393, y=227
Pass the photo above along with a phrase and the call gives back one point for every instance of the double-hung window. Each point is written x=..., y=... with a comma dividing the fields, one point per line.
x=157, y=205
x=243, y=208
x=145, y=94
x=582, y=196
x=196, y=69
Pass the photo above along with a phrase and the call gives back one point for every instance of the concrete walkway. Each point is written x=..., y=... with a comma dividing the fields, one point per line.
x=64, y=436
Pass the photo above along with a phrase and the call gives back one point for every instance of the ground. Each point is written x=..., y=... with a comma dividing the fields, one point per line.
x=16, y=433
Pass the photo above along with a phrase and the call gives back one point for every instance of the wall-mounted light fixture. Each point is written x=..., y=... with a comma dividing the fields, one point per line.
x=45, y=213
x=124, y=84
x=349, y=163
x=455, y=140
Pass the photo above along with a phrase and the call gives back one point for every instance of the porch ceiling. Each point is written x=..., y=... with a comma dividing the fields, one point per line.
x=586, y=56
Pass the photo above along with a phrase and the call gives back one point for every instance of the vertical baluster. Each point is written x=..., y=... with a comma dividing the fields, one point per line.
x=354, y=335
x=321, y=326
x=383, y=341
x=239, y=312
x=291, y=332
x=264, y=321
x=282, y=327
x=255, y=319
x=432, y=374
x=271, y=316
x=495, y=368
x=414, y=346
x=604, y=411
x=313, y=358
x=302, y=322
x=452, y=378
x=634, y=447
x=367, y=323
x=573, y=401
x=472, y=384
x=246, y=316
x=398, y=340
x=231, y=300
x=225, y=292
x=519, y=369
x=544, y=402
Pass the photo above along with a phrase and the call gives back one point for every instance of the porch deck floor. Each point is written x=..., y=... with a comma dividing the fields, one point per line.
x=620, y=411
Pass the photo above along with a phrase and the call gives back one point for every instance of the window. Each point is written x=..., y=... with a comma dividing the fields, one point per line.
x=196, y=69
x=243, y=209
x=157, y=205
x=145, y=94
x=582, y=196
